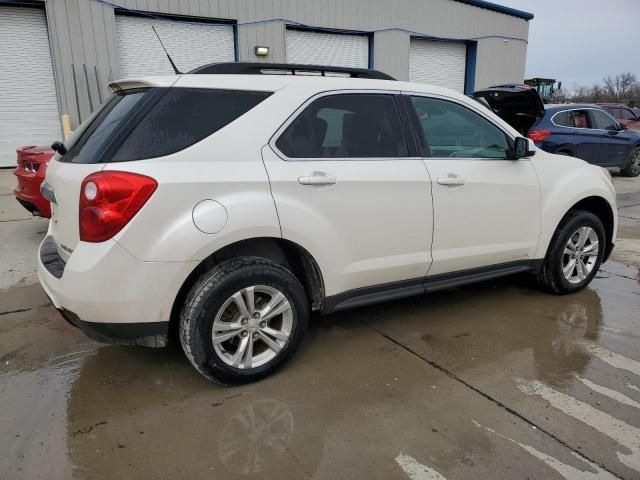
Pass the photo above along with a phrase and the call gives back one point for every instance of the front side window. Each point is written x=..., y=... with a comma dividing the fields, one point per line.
x=451, y=130
x=603, y=121
x=358, y=125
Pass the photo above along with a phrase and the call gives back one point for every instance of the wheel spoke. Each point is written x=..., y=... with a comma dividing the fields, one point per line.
x=272, y=344
x=237, y=357
x=250, y=299
x=277, y=305
x=581, y=270
x=276, y=333
x=591, y=250
x=583, y=234
x=568, y=269
x=238, y=299
x=226, y=326
x=248, y=356
x=226, y=336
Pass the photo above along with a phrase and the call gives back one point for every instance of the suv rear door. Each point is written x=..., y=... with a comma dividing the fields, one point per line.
x=349, y=187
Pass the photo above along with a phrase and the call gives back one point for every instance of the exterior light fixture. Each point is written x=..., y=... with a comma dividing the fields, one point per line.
x=261, y=51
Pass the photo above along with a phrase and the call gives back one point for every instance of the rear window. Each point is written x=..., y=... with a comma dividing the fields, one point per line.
x=153, y=122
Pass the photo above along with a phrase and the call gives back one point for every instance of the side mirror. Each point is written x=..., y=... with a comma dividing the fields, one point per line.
x=522, y=148
x=622, y=126
x=59, y=147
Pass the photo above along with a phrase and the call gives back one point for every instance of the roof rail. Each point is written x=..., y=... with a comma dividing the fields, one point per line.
x=251, y=68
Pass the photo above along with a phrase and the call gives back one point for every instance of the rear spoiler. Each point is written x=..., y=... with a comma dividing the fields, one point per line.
x=143, y=82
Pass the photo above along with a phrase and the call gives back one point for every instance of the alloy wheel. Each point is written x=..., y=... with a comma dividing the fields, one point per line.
x=252, y=327
x=635, y=162
x=580, y=255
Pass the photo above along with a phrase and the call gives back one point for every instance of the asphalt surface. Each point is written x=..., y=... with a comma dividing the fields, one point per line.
x=491, y=381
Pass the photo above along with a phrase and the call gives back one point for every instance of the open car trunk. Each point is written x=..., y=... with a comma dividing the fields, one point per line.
x=518, y=105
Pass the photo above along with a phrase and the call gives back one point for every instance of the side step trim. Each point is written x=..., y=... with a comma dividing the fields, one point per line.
x=408, y=288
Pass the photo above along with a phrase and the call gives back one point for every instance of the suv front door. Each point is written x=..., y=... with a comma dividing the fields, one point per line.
x=347, y=188
x=613, y=144
x=486, y=206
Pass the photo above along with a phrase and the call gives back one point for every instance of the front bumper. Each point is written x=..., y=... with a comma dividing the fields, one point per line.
x=110, y=295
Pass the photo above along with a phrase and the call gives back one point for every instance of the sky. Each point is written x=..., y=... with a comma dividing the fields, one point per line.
x=581, y=41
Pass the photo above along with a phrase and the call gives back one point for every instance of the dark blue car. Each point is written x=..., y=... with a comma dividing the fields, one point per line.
x=580, y=130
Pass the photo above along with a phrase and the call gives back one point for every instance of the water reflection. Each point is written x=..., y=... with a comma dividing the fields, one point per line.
x=255, y=436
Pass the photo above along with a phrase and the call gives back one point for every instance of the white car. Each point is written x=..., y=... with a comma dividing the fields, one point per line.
x=228, y=203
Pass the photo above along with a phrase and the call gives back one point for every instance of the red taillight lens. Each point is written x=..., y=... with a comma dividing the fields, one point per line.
x=538, y=135
x=109, y=200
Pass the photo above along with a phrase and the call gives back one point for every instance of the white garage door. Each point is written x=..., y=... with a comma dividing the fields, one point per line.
x=333, y=49
x=437, y=63
x=190, y=45
x=29, y=112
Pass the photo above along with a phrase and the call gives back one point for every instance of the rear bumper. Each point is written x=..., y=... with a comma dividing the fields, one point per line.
x=28, y=194
x=152, y=334
x=110, y=295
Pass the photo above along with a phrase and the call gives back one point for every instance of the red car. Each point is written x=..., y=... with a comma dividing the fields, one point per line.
x=622, y=114
x=32, y=166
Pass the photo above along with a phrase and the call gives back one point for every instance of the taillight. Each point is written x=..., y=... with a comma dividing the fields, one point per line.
x=538, y=135
x=109, y=200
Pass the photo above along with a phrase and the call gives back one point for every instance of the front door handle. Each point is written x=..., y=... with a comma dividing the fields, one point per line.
x=317, y=178
x=451, y=180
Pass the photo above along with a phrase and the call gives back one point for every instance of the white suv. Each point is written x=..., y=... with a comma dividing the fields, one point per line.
x=227, y=204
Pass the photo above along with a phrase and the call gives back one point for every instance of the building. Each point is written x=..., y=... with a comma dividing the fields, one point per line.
x=58, y=56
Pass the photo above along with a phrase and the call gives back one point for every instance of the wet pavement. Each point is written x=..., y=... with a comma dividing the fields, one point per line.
x=491, y=381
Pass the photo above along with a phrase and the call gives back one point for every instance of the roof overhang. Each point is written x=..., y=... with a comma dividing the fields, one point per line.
x=498, y=8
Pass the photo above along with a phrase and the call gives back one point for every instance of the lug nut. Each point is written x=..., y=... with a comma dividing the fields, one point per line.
x=263, y=324
x=243, y=321
x=256, y=315
x=255, y=335
x=244, y=334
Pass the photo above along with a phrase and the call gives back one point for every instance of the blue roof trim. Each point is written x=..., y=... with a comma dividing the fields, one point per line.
x=498, y=8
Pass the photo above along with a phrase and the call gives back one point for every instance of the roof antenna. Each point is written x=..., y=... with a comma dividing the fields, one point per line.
x=175, y=69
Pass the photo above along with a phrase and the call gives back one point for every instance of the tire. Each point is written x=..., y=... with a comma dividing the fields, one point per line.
x=632, y=168
x=218, y=296
x=551, y=276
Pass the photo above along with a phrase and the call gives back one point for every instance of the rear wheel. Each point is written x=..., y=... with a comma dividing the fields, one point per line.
x=575, y=253
x=633, y=166
x=243, y=320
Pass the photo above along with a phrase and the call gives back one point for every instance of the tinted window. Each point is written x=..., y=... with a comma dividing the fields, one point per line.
x=579, y=119
x=346, y=126
x=96, y=135
x=154, y=122
x=602, y=121
x=451, y=130
x=563, y=119
x=625, y=114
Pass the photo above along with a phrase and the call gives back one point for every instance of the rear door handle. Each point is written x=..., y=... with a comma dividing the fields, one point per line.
x=317, y=178
x=451, y=180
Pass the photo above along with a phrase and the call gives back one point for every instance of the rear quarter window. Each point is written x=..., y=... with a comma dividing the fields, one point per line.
x=182, y=117
x=154, y=122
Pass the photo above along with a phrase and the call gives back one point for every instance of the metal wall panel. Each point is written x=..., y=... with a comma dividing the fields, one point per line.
x=338, y=50
x=29, y=112
x=446, y=18
x=438, y=63
x=190, y=45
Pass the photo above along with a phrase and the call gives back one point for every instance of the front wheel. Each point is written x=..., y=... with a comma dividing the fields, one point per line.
x=633, y=166
x=242, y=320
x=575, y=253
